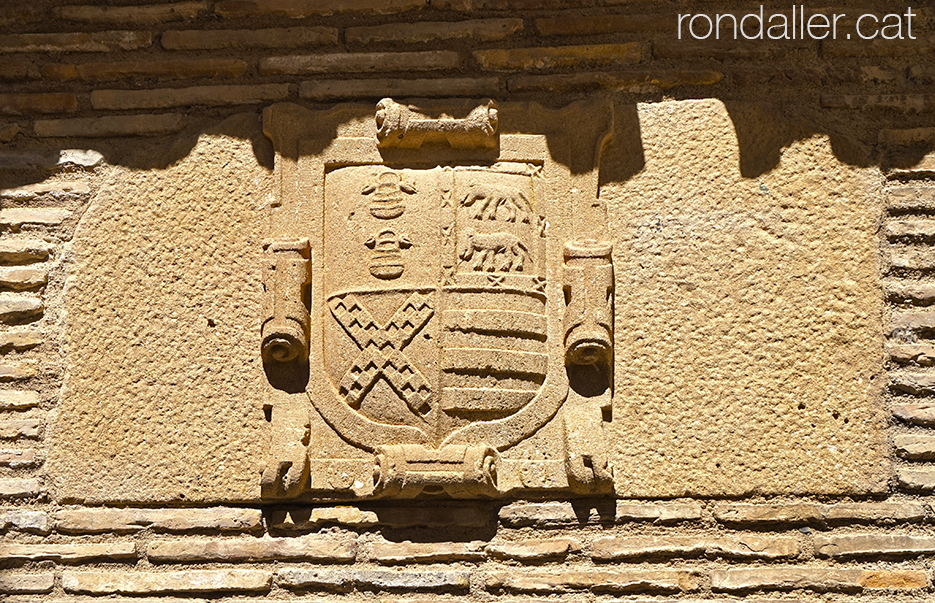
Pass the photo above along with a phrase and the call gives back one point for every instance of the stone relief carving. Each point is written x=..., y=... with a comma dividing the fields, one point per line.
x=438, y=319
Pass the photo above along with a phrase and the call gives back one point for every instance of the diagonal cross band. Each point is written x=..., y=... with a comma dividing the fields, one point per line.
x=381, y=349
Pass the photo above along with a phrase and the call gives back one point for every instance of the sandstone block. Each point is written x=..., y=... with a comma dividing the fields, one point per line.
x=299, y=9
x=306, y=519
x=658, y=513
x=324, y=550
x=426, y=552
x=814, y=578
x=101, y=41
x=857, y=545
x=19, y=428
x=11, y=399
x=482, y=30
x=143, y=15
x=19, y=307
x=103, y=520
x=141, y=583
x=19, y=488
x=19, y=458
x=18, y=584
x=119, y=125
x=872, y=512
x=899, y=102
x=53, y=102
x=198, y=95
x=16, y=217
x=21, y=251
x=922, y=354
x=636, y=581
x=285, y=37
x=664, y=79
x=908, y=136
x=15, y=371
x=534, y=550
x=578, y=25
x=15, y=277
x=360, y=62
x=549, y=514
x=381, y=88
x=916, y=479
x=36, y=522
x=168, y=69
x=915, y=447
x=747, y=514
x=67, y=553
x=559, y=56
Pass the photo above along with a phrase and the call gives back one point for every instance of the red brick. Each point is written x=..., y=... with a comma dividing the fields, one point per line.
x=879, y=47
x=479, y=29
x=199, y=95
x=102, y=41
x=576, y=25
x=721, y=49
x=380, y=88
x=360, y=62
x=53, y=102
x=17, y=70
x=148, y=14
x=559, y=56
x=289, y=37
x=135, y=69
x=299, y=9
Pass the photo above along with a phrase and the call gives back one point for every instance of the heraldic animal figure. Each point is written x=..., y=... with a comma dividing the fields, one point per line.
x=487, y=248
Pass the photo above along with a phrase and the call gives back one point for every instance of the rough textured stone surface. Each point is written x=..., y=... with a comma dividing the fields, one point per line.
x=195, y=581
x=19, y=488
x=23, y=520
x=24, y=250
x=67, y=553
x=711, y=282
x=92, y=521
x=26, y=583
x=170, y=257
x=636, y=581
x=19, y=428
x=253, y=549
x=426, y=552
x=287, y=37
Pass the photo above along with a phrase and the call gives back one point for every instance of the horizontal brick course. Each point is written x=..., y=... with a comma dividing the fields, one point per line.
x=11, y=399
x=30, y=104
x=634, y=548
x=360, y=62
x=909, y=228
x=909, y=136
x=102, y=41
x=19, y=488
x=424, y=580
x=559, y=56
x=815, y=578
x=746, y=514
x=872, y=512
x=15, y=429
x=105, y=126
x=143, y=15
x=198, y=95
x=299, y=9
x=483, y=30
x=922, y=413
x=920, y=353
x=915, y=447
x=26, y=583
x=15, y=217
x=565, y=82
x=912, y=383
x=20, y=307
x=317, y=549
x=916, y=480
x=24, y=520
x=18, y=371
x=21, y=278
x=671, y=48
x=307, y=519
x=67, y=553
x=426, y=552
x=911, y=197
x=164, y=69
x=901, y=102
x=577, y=25
x=534, y=550
x=380, y=88
x=195, y=581
x=55, y=189
x=284, y=37
x=17, y=458
x=635, y=581
x=103, y=520
x=861, y=545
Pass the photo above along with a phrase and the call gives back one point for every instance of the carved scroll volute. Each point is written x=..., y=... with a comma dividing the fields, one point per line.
x=285, y=327
x=399, y=126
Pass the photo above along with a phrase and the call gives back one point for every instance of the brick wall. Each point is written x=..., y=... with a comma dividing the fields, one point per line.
x=85, y=83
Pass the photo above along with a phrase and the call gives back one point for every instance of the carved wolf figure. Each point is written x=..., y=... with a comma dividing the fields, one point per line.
x=488, y=247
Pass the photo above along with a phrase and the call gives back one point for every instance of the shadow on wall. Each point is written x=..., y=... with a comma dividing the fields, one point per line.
x=763, y=130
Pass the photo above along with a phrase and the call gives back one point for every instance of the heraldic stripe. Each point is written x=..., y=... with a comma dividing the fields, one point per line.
x=514, y=323
x=494, y=361
x=479, y=399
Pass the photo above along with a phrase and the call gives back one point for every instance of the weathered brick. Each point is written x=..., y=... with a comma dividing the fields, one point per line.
x=310, y=518
x=299, y=9
x=897, y=229
x=907, y=136
x=872, y=512
x=577, y=25
x=923, y=167
x=900, y=102
x=380, y=88
x=565, y=82
x=482, y=30
x=19, y=14
x=922, y=413
x=9, y=131
x=913, y=383
x=23, y=250
x=878, y=47
x=856, y=545
x=657, y=513
x=16, y=371
x=559, y=56
x=103, y=520
x=17, y=216
x=17, y=458
x=922, y=74
x=285, y=37
x=915, y=447
x=198, y=95
x=86, y=158
x=15, y=277
x=53, y=102
x=720, y=50
x=12, y=399
x=143, y=15
x=911, y=259
x=374, y=579
x=24, y=160
x=753, y=514
x=101, y=41
x=168, y=69
x=922, y=354
x=195, y=581
x=67, y=553
x=19, y=488
x=314, y=578
x=615, y=549
x=16, y=429
x=36, y=522
x=534, y=550
x=26, y=583
x=916, y=479
x=458, y=516
x=911, y=197
x=426, y=552
x=20, y=307
x=638, y=581
x=55, y=189
x=253, y=549
x=18, y=70
x=113, y=125
x=338, y=62
x=549, y=514
x=814, y=578
x=913, y=320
